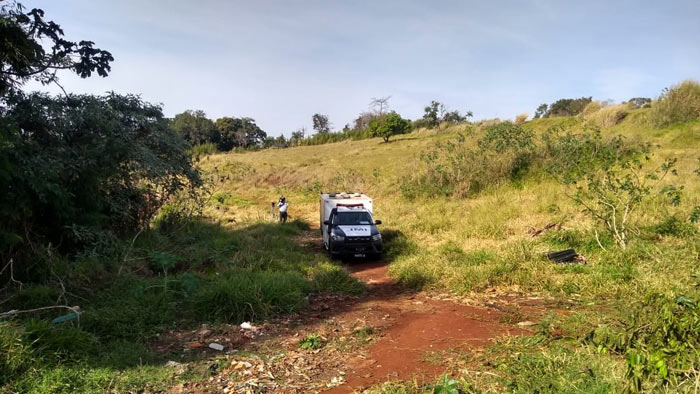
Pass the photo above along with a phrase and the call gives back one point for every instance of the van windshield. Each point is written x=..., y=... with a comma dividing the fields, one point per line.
x=351, y=218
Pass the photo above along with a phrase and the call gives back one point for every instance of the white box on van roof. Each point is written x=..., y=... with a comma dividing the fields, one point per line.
x=329, y=201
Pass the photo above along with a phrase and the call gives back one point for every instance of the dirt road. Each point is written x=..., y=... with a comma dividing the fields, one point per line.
x=391, y=333
x=415, y=326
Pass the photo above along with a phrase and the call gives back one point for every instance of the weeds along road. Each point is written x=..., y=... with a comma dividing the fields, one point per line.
x=390, y=333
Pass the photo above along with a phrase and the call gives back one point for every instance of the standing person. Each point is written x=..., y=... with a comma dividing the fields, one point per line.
x=282, y=205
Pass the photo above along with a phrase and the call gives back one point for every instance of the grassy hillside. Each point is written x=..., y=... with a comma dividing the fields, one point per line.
x=466, y=244
x=483, y=240
x=235, y=263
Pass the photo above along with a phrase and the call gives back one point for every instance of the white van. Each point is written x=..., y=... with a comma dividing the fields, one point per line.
x=347, y=225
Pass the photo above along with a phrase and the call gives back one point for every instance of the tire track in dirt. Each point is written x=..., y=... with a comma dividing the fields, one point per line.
x=416, y=325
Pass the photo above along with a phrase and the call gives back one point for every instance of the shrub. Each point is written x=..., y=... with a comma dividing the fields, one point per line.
x=174, y=216
x=572, y=155
x=15, y=355
x=454, y=168
x=680, y=103
x=674, y=226
x=611, y=194
x=607, y=116
x=659, y=340
x=312, y=342
x=208, y=148
x=507, y=136
x=98, y=164
x=60, y=342
x=337, y=280
x=130, y=309
x=592, y=107
x=521, y=118
x=240, y=295
x=36, y=296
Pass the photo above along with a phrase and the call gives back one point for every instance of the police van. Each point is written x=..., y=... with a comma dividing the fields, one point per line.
x=347, y=225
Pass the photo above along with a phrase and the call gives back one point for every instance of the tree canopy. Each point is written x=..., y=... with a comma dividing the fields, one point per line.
x=195, y=127
x=75, y=170
x=34, y=48
x=239, y=133
x=80, y=163
x=389, y=125
x=321, y=123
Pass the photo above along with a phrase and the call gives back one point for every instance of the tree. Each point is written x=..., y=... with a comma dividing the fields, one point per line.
x=33, y=48
x=388, y=125
x=85, y=167
x=541, y=110
x=567, y=107
x=195, y=127
x=321, y=123
x=297, y=136
x=431, y=117
x=239, y=132
x=379, y=105
x=362, y=121
x=456, y=117
x=275, y=142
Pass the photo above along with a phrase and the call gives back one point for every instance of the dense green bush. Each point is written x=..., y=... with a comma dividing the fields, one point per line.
x=659, y=340
x=85, y=165
x=570, y=155
x=680, y=103
x=455, y=168
x=608, y=179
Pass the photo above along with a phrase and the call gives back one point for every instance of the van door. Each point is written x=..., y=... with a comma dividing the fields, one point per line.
x=326, y=229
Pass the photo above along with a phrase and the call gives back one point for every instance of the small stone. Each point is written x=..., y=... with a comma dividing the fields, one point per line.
x=527, y=323
x=216, y=346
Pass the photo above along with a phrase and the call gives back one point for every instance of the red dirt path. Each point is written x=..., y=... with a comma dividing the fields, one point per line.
x=417, y=325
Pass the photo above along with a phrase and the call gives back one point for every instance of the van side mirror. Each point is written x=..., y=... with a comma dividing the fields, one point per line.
x=377, y=222
x=326, y=222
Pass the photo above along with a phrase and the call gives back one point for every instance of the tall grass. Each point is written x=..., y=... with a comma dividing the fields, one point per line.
x=15, y=355
x=680, y=103
x=208, y=148
x=605, y=116
x=239, y=296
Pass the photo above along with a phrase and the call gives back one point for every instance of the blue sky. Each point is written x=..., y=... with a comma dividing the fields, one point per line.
x=280, y=62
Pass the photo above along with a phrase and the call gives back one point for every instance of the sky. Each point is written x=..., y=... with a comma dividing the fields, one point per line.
x=279, y=62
